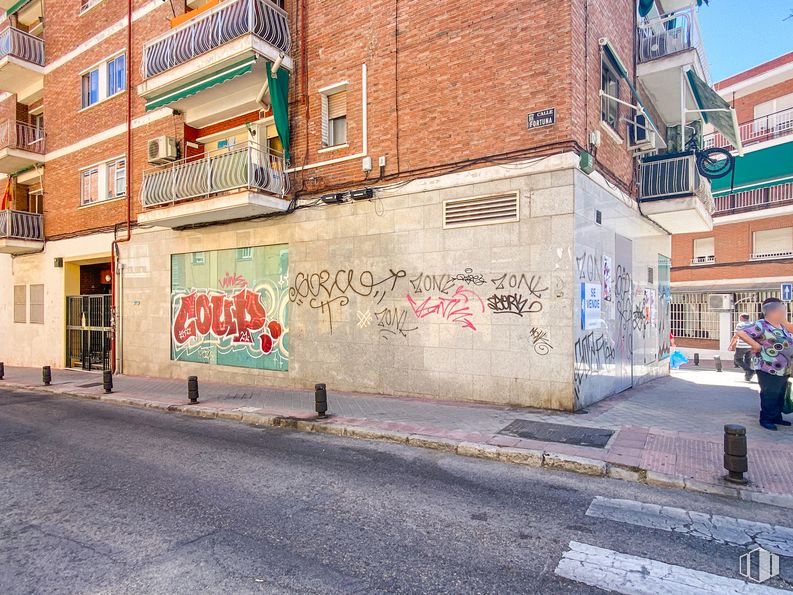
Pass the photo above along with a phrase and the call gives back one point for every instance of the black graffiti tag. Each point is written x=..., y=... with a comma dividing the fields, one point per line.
x=512, y=303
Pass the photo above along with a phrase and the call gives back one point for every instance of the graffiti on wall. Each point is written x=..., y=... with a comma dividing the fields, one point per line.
x=460, y=307
x=593, y=352
x=540, y=341
x=234, y=318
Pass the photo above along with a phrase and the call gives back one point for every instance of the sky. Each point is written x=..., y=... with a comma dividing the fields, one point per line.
x=740, y=34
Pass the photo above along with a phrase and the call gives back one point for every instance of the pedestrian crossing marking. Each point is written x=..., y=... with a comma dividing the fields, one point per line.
x=622, y=573
x=712, y=527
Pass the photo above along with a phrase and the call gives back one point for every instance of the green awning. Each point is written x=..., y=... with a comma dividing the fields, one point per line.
x=279, y=98
x=758, y=169
x=16, y=6
x=243, y=67
x=715, y=110
x=645, y=6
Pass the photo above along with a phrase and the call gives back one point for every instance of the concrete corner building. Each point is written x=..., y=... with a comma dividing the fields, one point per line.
x=747, y=256
x=455, y=200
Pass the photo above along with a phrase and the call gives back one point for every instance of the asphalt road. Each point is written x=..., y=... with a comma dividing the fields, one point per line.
x=97, y=498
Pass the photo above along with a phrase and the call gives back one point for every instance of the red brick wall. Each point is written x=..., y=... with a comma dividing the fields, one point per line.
x=745, y=105
x=733, y=247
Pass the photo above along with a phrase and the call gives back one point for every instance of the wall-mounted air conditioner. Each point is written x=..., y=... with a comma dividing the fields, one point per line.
x=721, y=302
x=641, y=137
x=162, y=150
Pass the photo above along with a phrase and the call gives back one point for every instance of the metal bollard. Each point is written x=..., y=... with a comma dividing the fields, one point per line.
x=735, y=460
x=717, y=361
x=107, y=381
x=696, y=359
x=192, y=388
x=321, y=400
x=46, y=375
x=2, y=370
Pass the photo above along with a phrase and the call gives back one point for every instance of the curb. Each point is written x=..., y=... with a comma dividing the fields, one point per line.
x=479, y=450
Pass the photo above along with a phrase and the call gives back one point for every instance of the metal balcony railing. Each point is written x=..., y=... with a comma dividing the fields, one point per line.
x=771, y=255
x=667, y=35
x=24, y=46
x=217, y=26
x=20, y=135
x=21, y=225
x=759, y=130
x=673, y=176
x=241, y=166
x=703, y=260
x=751, y=200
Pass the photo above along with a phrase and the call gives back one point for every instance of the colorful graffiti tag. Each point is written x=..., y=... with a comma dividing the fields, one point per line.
x=240, y=319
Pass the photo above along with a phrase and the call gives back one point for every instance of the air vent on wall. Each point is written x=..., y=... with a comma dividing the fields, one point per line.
x=481, y=210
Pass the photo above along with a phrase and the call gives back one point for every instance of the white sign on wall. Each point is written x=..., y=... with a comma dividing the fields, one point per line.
x=590, y=305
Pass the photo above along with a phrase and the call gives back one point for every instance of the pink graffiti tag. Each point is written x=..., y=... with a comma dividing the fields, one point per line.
x=230, y=280
x=203, y=314
x=455, y=308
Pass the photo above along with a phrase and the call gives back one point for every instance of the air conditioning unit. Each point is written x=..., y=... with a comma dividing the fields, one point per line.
x=162, y=150
x=721, y=302
x=640, y=137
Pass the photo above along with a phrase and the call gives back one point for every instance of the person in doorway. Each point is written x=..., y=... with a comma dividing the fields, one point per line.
x=743, y=354
x=771, y=344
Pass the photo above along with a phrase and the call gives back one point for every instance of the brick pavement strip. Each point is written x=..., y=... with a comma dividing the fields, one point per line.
x=650, y=455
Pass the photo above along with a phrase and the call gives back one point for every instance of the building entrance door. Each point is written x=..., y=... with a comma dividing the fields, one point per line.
x=88, y=332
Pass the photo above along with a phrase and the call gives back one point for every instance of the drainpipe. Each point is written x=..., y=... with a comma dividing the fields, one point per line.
x=117, y=241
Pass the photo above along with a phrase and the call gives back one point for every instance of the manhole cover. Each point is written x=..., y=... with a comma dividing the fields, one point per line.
x=89, y=385
x=548, y=432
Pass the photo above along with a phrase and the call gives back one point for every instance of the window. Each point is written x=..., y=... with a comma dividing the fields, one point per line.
x=86, y=5
x=334, y=118
x=104, y=81
x=116, y=178
x=704, y=250
x=20, y=306
x=116, y=75
x=37, y=304
x=244, y=253
x=89, y=186
x=37, y=122
x=610, y=85
x=769, y=243
x=90, y=87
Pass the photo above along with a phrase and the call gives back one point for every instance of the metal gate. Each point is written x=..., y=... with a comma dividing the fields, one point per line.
x=623, y=295
x=88, y=332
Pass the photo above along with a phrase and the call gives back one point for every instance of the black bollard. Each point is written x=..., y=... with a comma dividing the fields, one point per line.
x=107, y=381
x=717, y=361
x=2, y=370
x=696, y=359
x=735, y=460
x=46, y=375
x=321, y=400
x=192, y=388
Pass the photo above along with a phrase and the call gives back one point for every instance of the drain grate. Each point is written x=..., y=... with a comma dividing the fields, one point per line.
x=564, y=434
x=89, y=385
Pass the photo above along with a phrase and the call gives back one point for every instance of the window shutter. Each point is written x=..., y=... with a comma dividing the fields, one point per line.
x=773, y=241
x=337, y=105
x=325, y=135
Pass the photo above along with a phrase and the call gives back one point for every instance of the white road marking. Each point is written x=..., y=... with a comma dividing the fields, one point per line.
x=632, y=575
x=712, y=527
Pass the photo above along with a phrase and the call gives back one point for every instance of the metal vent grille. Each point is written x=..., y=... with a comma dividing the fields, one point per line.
x=481, y=210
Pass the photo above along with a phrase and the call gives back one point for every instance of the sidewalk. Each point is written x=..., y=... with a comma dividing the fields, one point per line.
x=668, y=432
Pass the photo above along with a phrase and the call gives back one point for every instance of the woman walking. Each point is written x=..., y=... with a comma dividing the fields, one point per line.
x=771, y=342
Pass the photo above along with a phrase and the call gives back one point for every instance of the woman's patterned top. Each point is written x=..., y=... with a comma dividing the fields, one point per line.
x=776, y=353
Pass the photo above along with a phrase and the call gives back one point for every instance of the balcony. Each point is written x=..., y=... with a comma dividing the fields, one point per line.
x=214, y=47
x=674, y=195
x=759, y=130
x=703, y=260
x=232, y=183
x=771, y=255
x=754, y=200
x=21, y=146
x=21, y=232
x=21, y=64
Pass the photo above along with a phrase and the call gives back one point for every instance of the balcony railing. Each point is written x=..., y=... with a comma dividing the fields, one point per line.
x=21, y=225
x=751, y=200
x=670, y=34
x=217, y=26
x=24, y=46
x=771, y=255
x=673, y=176
x=241, y=166
x=759, y=130
x=19, y=135
x=703, y=260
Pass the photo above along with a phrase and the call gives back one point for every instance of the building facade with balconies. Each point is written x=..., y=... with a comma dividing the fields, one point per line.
x=749, y=252
x=445, y=200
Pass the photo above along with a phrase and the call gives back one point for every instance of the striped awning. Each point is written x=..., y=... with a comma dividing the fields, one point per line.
x=216, y=78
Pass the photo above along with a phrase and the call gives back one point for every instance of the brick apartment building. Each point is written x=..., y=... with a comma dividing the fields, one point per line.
x=400, y=197
x=717, y=275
